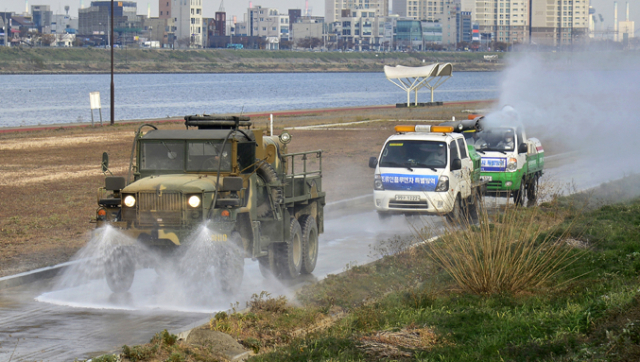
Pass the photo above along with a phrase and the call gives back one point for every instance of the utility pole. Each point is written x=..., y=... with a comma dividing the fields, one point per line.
x=112, y=88
x=6, y=27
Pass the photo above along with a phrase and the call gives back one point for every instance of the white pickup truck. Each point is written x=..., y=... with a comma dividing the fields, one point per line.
x=427, y=170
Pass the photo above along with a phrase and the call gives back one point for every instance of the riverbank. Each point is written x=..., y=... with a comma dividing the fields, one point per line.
x=97, y=61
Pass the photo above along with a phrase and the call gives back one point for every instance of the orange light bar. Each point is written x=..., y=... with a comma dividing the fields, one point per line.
x=405, y=128
x=474, y=116
x=442, y=129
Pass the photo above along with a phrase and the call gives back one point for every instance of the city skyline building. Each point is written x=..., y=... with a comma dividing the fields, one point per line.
x=557, y=23
x=333, y=8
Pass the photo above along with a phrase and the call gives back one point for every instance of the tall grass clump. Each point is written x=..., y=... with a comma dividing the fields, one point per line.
x=518, y=250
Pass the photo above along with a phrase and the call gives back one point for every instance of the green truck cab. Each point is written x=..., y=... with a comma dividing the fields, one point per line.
x=511, y=164
x=257, y=201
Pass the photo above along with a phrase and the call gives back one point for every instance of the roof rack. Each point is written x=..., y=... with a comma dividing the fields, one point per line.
x=212, y=121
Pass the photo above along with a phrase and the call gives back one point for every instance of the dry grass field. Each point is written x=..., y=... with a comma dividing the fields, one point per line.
x=49, y=178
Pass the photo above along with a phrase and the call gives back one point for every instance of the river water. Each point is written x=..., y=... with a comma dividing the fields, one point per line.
x=28, y=100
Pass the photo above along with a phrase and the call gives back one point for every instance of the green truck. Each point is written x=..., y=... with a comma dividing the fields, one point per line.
x=220, y=175
x=512, y=164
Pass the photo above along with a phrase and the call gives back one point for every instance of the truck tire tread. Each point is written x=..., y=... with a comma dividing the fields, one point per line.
x=309, y=243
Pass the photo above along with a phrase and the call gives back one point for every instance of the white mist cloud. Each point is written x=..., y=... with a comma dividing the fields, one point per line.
x=586, y=102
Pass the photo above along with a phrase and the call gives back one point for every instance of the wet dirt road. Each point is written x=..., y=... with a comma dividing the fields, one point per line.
x=41, y=324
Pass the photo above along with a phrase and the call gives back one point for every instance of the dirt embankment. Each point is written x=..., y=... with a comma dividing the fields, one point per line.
x=49, y=179
x=92, y=60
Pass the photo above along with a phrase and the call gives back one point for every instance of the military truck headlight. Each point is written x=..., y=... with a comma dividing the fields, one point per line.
x=129, y=201
x=443, y=184
x=512, y=165
x=194, y=201
x=285, y=137
x=377, y=183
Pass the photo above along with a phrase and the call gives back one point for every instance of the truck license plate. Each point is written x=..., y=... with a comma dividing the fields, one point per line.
x=407, y=198
x=486, y=178
x=218, y=237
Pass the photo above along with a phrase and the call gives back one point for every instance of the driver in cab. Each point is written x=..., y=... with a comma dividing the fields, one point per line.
x=436, y=155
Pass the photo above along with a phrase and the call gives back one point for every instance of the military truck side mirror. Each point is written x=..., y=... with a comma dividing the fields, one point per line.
x=373, y=162
x=522, y=148
x=456, y=164
x=232, y=184
x=105, y=161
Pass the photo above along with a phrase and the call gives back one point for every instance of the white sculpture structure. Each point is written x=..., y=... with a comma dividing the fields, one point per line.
x=414, y=78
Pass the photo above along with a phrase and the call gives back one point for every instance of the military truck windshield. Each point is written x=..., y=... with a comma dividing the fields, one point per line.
x=206, y=156
x=414, y=154
x=496, y=139
x=162, y=155
x=203, y=156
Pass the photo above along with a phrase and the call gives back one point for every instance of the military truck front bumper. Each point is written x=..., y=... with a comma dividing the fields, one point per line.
x=413, y=202
x=170, y=236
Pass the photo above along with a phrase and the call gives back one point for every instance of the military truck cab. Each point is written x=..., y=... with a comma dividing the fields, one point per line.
x=426, y=170
x=239, y=183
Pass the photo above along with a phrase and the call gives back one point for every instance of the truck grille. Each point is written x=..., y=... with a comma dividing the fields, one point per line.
x=167, y=201
x=494, y=184
x=408, y=205
x=159, y=209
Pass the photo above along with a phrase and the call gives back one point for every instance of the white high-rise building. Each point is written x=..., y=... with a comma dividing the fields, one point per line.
x=187, y=15
x=555, y=23
x=333, y=8
x=423, y=9
x=505, y=21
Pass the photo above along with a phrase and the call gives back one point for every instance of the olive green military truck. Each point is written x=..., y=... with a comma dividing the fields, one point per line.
x=259, y=201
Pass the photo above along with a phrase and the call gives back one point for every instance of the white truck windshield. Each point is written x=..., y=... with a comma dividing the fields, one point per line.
x=414, y=154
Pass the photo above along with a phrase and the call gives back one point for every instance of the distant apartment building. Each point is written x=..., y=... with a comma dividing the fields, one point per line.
x=41, y=17
x=96, y=19
x=62, y=24
x=422, y=9
x=164, y=8
x=219, y=25
x=358, y=30
x=308, y=28
x=187, y=16
x=267, y=23
x=464, y=27
x=333, y=8
x=156, y=29
x=556, y=23
x=505, y=21
x=294, y=15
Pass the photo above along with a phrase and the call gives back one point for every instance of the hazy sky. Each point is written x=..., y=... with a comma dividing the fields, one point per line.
x=239, y=8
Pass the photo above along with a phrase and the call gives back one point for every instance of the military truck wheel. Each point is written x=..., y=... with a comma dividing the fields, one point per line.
x=230, y=270
x=309, y=243
x=119, y=269
x=455, y=216
x=519, y=195
x=289, y=253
